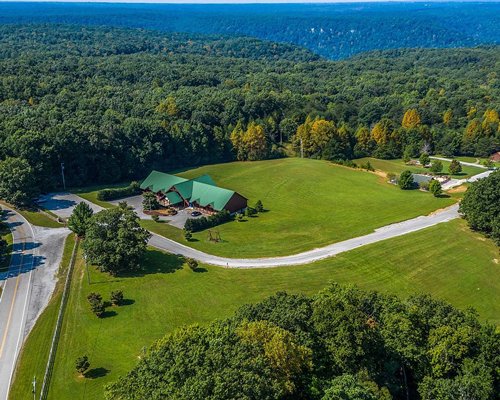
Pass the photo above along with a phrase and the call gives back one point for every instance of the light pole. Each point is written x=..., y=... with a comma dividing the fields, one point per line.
x=62, y=173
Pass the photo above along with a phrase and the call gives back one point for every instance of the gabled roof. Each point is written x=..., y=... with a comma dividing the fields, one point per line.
x=201, y=190
x=214, y=196
x=160, y=181
x=205, y=179
x=173, y=197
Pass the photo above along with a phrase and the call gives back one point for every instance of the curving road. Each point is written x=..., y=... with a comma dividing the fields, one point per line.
x=386, y=232
x=15, y=297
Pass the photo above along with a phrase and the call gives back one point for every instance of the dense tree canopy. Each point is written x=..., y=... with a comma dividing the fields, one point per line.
x=113, y=104
x=343, y=343
x=481, y=206
x=114, y=240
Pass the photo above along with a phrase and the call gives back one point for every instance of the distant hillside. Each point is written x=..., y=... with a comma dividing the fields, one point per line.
x=113, y=103
x=332, y=30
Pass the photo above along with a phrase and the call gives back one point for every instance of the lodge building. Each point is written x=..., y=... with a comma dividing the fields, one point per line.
x=201, y=193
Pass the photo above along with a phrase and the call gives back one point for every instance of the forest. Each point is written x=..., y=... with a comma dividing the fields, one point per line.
x=335, y=31
x=113, y=103
x=343, y=343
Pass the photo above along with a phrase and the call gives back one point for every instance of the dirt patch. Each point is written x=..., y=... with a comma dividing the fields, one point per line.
x=458, y=189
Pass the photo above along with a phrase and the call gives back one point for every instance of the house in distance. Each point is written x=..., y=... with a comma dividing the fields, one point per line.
x=201, y=193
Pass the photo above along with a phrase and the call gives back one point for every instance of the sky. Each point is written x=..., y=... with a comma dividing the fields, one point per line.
x=234, y=1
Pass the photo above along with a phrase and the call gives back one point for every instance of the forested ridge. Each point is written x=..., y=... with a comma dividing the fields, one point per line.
x=342, y=343
x=335, y=30
x=113, y=103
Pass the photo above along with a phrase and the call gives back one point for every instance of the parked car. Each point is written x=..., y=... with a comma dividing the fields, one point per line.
x=195, y=214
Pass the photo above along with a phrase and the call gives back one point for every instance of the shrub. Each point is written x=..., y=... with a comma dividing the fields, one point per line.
x=436, y=166
x=391, y=176
x=424, y=185
x=424, y=159
x=96, y=304
x=188, y=235
x=368, y=166
x=250, y=211
x=455, y=167
x=259, y=206
x=155, y=218
x=435, y=188
x=192, y=263
x=113, y=194
x=240, y=217
x=82, y=364
x=199, y=224
x=405, y=181
x=117, y=297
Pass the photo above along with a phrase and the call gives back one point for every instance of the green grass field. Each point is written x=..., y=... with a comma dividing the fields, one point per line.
x=37, y=218
x=90, y=193
x=448, y=261
x=311, y=203
x=397, y=166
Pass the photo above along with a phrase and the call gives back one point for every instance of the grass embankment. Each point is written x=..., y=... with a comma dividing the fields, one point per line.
x=6, y=235
x=462, y=269
x=35, y=352
x=311, y=203
x=397, y=166
x=37, y=217
x=90, y=193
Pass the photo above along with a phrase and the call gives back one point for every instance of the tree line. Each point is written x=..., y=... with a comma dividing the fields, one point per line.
x=112, y=104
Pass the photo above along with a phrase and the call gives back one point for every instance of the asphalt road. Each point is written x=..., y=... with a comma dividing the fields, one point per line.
x=15, y=297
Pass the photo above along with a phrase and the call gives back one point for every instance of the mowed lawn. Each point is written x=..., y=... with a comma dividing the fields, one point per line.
x=448, y=261
x=310, y=203
x=397, y=166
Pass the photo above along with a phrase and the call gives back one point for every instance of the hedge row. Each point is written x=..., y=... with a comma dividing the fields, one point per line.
x=113, y=194
x=198, y=224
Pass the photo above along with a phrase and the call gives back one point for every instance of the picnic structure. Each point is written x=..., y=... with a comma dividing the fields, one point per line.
x=201, y=193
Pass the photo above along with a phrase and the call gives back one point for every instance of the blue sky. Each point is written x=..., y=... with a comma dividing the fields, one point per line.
x=235, y=1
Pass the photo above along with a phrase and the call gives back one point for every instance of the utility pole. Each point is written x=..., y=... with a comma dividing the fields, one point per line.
x=87, y=267
x=34, y=387
x=62, y=173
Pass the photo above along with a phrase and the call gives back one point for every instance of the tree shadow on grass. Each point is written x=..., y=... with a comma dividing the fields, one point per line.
x=443, y=196
x=109, y=314
x=200, y=270
x=95, y=373
x=156, y=262
x=127, y=302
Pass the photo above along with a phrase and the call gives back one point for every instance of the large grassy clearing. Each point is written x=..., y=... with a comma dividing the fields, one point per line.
x=310, y=203
x=397, y=166
x=448, y=261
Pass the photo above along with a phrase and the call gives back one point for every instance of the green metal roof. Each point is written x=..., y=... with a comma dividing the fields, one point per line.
x=205, y=179
x=185, y=189
x=173, y=197
x=214, y=196
x=201, y=190
x=159, y=181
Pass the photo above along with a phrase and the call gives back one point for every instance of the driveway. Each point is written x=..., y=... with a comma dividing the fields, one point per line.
x=177, y=220
x=62, y=204
x=386, y=232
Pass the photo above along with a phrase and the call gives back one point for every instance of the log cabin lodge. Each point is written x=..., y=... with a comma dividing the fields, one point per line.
x=200, y=193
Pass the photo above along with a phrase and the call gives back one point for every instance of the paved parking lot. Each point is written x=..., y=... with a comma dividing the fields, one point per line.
x=62, y=204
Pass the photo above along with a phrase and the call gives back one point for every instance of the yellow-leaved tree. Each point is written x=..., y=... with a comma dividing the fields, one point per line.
x=411, y=119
